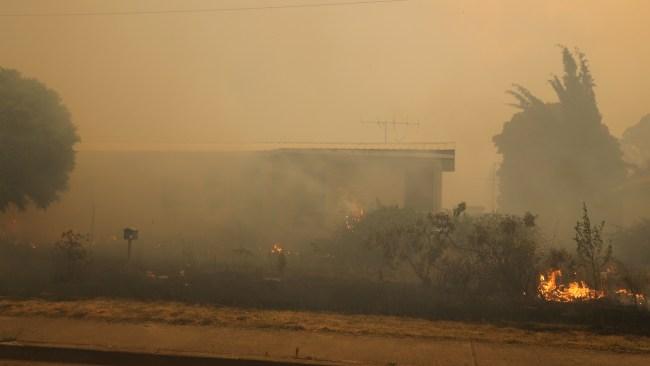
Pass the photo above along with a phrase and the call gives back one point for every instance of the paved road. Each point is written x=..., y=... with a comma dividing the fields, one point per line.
x=282, y=344
x=29, y=363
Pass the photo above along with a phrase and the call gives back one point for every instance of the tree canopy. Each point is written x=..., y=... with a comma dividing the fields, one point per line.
x=36, y=142
x=558, y=154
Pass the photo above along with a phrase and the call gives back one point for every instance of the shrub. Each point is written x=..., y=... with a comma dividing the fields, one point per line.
x=72, y=251
x=592, y=252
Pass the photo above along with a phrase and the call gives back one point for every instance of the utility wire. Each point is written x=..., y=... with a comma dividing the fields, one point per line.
x=204, y=10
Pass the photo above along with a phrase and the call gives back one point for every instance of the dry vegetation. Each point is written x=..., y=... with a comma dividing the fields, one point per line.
x=368, y=325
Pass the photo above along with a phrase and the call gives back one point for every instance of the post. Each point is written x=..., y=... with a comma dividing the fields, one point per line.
x=130, y=235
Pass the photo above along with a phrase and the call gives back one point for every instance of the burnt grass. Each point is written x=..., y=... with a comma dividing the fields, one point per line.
x=24, y=275
x=348, y=296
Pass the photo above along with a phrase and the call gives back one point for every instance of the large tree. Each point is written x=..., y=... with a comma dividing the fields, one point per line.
x=557, y=155
x=36, y=142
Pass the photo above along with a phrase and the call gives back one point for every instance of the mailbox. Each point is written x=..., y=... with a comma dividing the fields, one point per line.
x=130, y=234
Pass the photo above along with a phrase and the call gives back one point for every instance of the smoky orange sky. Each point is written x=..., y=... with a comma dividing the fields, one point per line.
x=312, y=74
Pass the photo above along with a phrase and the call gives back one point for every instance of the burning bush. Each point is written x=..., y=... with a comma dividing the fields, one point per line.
x=593, y=273
x=552, y=288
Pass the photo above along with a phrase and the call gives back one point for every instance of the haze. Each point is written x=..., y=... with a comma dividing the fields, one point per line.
x=313, y=74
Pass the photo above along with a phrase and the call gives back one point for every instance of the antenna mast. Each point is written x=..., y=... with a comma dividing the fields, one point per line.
x=386, y=123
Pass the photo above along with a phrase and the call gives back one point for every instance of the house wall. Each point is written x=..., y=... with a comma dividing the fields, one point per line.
x=224, y=197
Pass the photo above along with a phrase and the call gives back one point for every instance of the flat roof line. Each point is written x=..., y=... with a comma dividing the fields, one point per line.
x=267, y=146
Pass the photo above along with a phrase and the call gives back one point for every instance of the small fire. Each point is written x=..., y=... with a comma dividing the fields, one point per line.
x=276, y=249
x=153, y=276
x=550, y=290
x=630, y=297
x=354, y=218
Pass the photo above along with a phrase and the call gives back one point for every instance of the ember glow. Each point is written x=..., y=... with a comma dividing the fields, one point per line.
x=353, y=219
x=276, y=249
x=551, y=290
x=626, y=295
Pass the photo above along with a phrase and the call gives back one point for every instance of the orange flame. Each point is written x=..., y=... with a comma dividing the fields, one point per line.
x=550, y=290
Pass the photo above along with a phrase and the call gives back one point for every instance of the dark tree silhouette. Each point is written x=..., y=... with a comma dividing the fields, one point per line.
x=557, y=155
x=636, y=145
x=36, y=140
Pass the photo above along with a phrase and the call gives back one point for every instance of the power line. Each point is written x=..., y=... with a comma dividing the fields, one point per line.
x=204, y=10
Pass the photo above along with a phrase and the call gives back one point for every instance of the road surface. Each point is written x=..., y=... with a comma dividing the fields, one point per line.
x=286, y=344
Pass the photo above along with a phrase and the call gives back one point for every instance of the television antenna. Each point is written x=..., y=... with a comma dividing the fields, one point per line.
x=386, y=123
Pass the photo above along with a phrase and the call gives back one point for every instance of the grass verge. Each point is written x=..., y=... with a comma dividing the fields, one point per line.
x=176, y=313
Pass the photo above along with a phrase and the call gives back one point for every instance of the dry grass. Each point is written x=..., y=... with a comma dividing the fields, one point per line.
x=204, y=315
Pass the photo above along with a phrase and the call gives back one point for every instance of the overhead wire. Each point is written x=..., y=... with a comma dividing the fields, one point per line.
x=204, y=10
